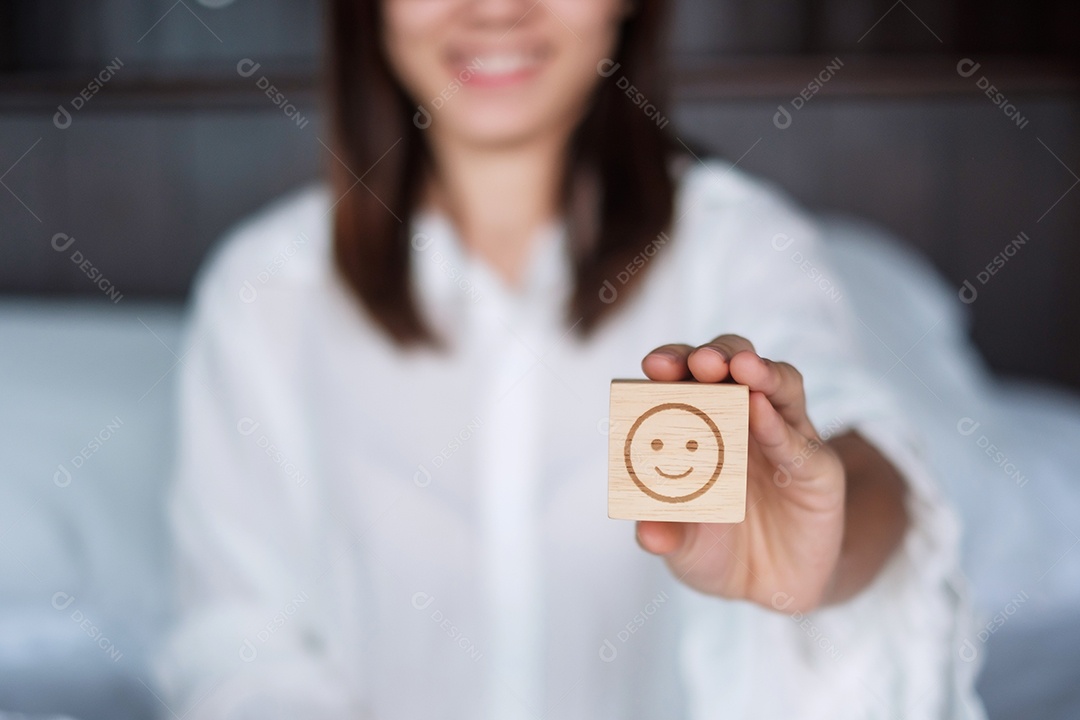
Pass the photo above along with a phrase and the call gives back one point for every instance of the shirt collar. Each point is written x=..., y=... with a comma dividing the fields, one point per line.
x=450, y=280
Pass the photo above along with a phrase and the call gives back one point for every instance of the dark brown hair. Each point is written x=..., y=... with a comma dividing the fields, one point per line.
x=618, y=193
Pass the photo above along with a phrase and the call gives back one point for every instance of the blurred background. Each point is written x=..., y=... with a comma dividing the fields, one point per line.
x=937, y=141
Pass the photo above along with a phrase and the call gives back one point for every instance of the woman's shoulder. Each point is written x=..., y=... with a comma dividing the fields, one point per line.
x=283, y=244
x=713, y=183
x=723, y=206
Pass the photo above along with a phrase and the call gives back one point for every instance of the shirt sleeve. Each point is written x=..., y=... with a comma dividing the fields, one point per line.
x=253, y=635
x=893, y=649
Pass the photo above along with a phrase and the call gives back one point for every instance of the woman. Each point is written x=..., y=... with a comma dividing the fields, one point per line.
x=392, y=480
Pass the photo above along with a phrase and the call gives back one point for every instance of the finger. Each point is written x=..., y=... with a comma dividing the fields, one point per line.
x=771, y=431
x=660, y=538
x=780, y=382
x=780, y=443
x=710, y=362
x=694, y=552
x=667, y=363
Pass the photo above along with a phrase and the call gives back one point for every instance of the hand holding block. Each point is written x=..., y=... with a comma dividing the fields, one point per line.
x=677, y=451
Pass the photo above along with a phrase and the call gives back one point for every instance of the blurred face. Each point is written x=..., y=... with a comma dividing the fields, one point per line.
x=499, y=72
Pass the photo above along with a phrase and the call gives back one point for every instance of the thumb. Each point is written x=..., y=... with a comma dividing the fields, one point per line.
x=661, y=538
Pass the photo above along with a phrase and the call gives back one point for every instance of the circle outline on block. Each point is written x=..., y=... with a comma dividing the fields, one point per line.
x=686, y=407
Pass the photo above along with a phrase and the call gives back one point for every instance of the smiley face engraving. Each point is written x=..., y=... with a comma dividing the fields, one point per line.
x=674, y=452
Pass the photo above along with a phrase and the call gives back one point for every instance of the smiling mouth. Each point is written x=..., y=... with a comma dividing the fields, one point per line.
x=481, y=66
x=673, y=477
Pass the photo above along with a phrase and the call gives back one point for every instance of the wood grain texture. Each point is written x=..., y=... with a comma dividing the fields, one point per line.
x=677, y=451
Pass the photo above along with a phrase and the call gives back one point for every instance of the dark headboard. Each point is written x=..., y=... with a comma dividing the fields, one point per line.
x=176, y=144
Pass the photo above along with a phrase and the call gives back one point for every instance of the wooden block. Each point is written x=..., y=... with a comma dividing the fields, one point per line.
x=677, y=451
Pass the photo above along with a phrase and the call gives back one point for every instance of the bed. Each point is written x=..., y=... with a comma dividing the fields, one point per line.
x=86, y=428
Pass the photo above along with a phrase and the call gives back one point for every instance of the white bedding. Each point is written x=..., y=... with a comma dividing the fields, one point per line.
x=70, y=370
x=1020, y=508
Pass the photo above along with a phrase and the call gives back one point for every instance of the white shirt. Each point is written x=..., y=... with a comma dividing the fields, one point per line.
x=364, y=532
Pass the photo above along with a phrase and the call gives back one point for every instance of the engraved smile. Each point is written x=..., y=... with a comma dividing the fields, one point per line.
x=674, y=477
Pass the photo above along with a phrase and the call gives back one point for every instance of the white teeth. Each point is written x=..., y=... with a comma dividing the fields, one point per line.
x=501, y=64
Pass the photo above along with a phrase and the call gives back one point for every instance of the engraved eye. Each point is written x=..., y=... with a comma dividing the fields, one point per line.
x=657, y=444
x=691, y=445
